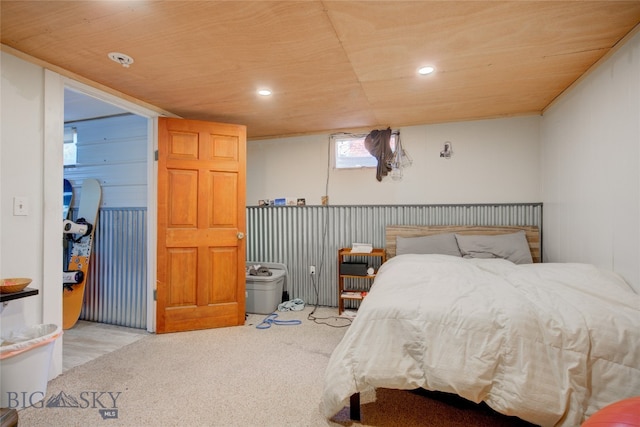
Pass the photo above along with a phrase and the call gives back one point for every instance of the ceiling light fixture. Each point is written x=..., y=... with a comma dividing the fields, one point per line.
x=264, y=92
x=121, y=58
x=426, y=70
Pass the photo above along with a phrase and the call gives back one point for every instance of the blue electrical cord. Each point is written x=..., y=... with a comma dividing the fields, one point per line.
x=271, y=320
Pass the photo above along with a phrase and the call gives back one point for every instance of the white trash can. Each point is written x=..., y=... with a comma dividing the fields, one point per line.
x=25, y=358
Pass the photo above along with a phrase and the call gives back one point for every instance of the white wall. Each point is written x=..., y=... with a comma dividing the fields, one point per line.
x=495, y=161
x=591, y=168
x=21, y=174
x=29, y=245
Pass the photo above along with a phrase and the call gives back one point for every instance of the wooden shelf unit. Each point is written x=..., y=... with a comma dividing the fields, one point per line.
x=377, y=255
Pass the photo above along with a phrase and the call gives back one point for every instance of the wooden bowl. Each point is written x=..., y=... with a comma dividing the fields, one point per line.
x=15, y=284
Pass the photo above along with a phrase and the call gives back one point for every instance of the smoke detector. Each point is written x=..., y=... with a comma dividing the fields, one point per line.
x=121, y=58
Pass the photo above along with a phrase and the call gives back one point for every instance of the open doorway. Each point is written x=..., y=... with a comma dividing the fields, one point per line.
x=108, y=143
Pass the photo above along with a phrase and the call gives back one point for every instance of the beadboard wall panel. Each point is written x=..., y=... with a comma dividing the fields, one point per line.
x=113, y=150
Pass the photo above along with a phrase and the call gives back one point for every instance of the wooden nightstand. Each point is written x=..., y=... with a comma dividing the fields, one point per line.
x=348, y=288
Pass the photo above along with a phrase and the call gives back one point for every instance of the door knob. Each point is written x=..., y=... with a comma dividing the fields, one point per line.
x=240, y=235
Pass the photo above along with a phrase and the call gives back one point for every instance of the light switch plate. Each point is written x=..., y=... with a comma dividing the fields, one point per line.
x=20, y=206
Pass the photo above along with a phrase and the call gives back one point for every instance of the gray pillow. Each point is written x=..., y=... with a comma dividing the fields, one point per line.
x=444, y=244
x=512, y=246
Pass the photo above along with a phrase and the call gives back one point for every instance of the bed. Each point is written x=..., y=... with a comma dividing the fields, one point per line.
x=550, y=343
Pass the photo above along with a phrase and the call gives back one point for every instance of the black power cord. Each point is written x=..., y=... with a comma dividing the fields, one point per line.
x=325, y=320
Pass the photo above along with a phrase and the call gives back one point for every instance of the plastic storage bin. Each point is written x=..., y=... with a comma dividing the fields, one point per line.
x=25, y=358
x=264, y=293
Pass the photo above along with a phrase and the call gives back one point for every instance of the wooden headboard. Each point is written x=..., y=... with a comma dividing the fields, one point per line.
x=393, y=231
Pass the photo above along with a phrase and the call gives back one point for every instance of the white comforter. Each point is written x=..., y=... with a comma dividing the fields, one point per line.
x=549, y=343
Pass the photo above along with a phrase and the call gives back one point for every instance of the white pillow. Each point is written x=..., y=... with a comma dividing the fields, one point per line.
x=511, y=246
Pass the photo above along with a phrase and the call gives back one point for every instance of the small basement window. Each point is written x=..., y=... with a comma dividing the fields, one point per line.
x=350, y=152
x=70, y=148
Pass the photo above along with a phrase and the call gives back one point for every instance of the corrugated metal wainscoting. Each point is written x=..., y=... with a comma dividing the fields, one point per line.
x=116, y=291
x=300, y=236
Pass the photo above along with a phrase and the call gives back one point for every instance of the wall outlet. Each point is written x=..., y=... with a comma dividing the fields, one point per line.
x=312, y=270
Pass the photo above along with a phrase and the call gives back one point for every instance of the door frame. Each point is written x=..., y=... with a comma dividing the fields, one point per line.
x=152, y=178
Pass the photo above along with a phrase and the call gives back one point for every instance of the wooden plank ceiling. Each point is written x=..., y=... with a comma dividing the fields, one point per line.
x=332, y=65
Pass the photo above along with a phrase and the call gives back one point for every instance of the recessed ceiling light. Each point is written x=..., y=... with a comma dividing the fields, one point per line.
x=426, y=70
x=121, y=58
x=264, y=92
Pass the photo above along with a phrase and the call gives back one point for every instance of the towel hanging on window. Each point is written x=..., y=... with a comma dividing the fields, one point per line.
x=377, y=143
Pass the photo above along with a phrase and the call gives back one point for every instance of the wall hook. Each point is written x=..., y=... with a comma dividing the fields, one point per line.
x=447, y=151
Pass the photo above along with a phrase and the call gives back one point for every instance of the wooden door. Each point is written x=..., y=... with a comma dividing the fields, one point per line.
x=201, y=225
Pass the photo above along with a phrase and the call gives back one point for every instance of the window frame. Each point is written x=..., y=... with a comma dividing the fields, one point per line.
x=70, y=139
x=343, y=164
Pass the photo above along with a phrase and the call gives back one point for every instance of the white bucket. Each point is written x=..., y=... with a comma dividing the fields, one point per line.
x=25, y=358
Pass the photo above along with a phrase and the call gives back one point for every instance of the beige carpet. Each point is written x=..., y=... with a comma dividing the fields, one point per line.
x=239, y=376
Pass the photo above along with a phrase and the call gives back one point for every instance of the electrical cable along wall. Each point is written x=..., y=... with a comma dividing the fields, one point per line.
x=302, y=236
